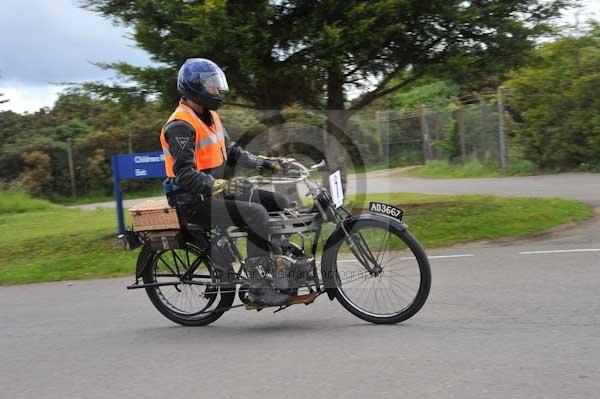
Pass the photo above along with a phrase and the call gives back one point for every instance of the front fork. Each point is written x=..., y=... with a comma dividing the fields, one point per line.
x=358, y=245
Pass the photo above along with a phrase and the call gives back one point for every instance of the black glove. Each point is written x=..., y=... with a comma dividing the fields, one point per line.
x=272, y=164
x=291, y=168
x=236, y=187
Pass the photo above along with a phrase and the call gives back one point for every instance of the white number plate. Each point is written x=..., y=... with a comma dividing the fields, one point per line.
x=335, y=186
x=385, y=209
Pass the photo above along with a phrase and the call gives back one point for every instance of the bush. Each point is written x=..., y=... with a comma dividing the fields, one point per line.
x=556, y=103
x=37, y=176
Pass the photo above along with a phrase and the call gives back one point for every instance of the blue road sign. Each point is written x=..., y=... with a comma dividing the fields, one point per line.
x=139, y=166
x=146, y=165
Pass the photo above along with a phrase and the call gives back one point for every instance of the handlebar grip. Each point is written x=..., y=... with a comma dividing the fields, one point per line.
x=293, y=173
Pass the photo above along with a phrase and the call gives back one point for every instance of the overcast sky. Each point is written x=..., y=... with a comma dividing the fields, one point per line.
x=51, y=41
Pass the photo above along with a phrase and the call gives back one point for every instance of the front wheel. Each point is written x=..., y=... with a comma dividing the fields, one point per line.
x=398, y=282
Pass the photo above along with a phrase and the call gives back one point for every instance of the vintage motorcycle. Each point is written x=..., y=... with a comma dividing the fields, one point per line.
x=369, y=261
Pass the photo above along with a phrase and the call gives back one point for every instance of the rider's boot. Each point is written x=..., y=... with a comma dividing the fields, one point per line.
x=262, y=292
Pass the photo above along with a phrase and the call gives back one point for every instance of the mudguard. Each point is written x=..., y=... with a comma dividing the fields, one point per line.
x=145, y=257
x=328, y=260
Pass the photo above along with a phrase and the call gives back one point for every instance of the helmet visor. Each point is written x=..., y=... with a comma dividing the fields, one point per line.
x=215, y=82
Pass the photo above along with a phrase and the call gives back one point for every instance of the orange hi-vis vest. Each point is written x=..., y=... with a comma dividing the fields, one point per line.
x=210, y=149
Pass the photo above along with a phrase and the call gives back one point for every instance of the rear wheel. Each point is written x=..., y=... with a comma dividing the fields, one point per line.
x=195, y=300
x=397, y=285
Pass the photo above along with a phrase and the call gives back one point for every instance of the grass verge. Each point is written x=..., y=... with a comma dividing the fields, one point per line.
x=14, y=201
x=151, y=191
x=68, y=244
x=473, y=169
x=445, y=220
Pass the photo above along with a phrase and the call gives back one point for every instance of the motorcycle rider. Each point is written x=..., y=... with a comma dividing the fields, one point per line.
x=197, y=149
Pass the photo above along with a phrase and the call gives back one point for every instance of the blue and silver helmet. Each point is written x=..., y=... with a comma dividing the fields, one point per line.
x=203, y=82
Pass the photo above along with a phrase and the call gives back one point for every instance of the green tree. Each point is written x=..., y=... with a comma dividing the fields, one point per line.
x=314, y=53
x=557, y=105
x=433, y=93
x=11, y=123
x=244, y=37
x=98, y=128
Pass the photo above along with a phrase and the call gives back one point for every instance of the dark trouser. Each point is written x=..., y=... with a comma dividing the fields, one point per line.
x=241, y=212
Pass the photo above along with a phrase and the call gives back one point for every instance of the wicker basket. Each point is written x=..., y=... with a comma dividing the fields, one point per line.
x=154, y=215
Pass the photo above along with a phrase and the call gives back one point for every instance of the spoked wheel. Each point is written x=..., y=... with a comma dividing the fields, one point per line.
x=191, y=301
x=398, y=282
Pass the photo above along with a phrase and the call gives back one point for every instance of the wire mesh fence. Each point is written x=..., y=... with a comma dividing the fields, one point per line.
x=469, y=128
x=461, y=130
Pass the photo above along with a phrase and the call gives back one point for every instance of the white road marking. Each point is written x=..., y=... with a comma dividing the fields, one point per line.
x=451, y=256
x=559, y=251
x=412, y=258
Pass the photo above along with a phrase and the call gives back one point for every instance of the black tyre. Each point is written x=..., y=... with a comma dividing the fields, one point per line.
x=186, y=304
x=400, y=288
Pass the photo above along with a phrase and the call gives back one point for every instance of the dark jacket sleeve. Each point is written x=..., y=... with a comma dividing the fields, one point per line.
x=180, y=136
x=236, y=155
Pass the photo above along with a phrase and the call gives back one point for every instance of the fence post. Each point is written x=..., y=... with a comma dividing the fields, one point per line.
x=436, y=134
x=379, y=134
x=460, y=115
x=71, y=166
x=427, y=151
x=482, y=138
x=501, y=133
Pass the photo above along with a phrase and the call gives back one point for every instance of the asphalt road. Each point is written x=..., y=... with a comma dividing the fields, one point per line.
x=581, y=186
x=502, y=321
